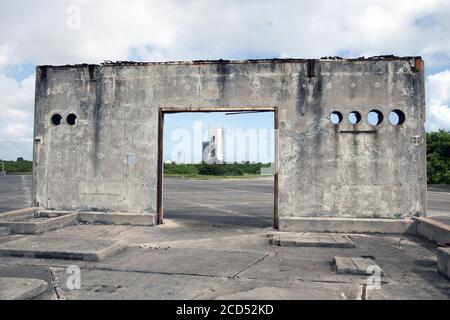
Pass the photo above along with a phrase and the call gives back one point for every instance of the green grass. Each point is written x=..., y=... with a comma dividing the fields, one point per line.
x=211, y=177
x=20, y=165
x=203, y=170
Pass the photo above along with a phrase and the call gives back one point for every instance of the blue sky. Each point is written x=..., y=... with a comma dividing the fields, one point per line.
x=248, y=136
x=85, y=31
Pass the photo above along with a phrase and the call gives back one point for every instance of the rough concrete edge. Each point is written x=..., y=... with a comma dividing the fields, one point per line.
x=57, y=223
x=276, y=240
x=443, y=262
x=41, y=288
x=353, y=272
x=345, y=271
x=16, y=227
x=71, y=218
x=4, y=231
x=347, y=225
x=432, y=230
x=17, y=213
x=42, y=254
x=110, y=251
x=91, y=256
x=118, y=218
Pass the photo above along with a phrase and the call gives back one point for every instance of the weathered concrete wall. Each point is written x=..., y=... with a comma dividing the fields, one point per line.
x=108, y=159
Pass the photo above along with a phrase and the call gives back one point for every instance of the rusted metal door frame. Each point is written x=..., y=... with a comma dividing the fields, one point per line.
x=160, y=169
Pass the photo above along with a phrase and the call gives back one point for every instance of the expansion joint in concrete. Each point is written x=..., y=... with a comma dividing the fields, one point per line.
x=54, y=279
x=253, y=264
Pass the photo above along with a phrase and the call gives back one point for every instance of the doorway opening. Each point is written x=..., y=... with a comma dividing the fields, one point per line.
x=211, y=169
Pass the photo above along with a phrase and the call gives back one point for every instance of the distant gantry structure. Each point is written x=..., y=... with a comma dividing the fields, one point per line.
x=213, y=148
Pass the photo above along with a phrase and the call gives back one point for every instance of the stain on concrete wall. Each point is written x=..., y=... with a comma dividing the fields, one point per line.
x=325, y=169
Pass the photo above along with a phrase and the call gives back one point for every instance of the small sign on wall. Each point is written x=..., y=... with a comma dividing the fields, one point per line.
x=131, y=159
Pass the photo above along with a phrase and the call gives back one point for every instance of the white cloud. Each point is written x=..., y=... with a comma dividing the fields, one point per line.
x=41, y=32
x=5, y=55
x=16, y=117
x=17, y=132
x=438, y=101
x=166, y=30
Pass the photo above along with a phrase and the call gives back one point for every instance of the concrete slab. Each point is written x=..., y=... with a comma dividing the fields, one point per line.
x=259, y=289
x=290, y=239
x=443, y=261
x=32, y=271
x=209, y=263
x=187, y=273
x=61, y=248
x=120, y=285
x=355, y=266
x=21, y=288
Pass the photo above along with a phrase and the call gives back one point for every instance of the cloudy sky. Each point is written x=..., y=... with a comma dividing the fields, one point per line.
x=76, y=31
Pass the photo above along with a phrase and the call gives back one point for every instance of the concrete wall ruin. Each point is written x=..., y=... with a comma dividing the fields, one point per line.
x=107, y=160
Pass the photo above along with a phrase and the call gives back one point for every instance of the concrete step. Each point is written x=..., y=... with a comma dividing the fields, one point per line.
x=21, y=288
x=4, y=231
x=356, y=266
x=42, y=247
x=292, y=239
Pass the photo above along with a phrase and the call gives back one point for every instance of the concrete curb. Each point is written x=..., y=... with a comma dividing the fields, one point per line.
x=347, y=225
x=287, y=239
x=49, y=248
x=432, y=230
x=12, y=221
x=121, y=218
x=17, y=214
x=443, y=261
x=4, y=231
x=36, y=227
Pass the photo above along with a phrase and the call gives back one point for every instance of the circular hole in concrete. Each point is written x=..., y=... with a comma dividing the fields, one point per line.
x=71, y=119
x=354, y=117
x=56, y=119
x=335, y=117
x=375, y=117
x=397, y=117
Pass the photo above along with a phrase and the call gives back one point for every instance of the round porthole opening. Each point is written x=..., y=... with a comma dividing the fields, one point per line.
x=335, y=117
x=354, y=117
x=71, y=119
x=397, y=117
x=56, y=119
x=375, y=117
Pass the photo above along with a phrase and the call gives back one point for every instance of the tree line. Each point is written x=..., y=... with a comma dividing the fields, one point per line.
x=225, y=169
x=20, y=165
x=438, y=157
x=438, y=163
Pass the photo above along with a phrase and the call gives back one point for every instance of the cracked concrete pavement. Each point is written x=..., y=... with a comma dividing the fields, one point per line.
x=203, y=262
x=207, y=252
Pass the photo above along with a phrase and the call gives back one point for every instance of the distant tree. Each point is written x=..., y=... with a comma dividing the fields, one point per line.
x=438, y=157
x=19, y=159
